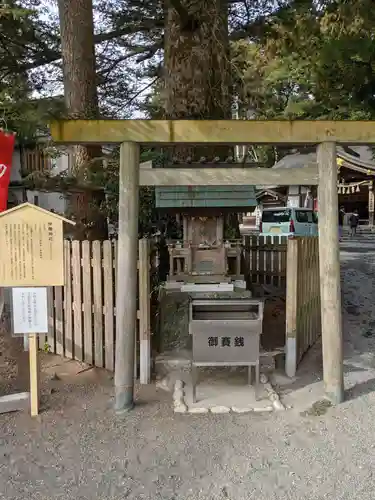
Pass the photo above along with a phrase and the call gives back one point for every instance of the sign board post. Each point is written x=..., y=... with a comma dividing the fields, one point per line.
x=31, y=259
x=34, y=375
x=30, y=317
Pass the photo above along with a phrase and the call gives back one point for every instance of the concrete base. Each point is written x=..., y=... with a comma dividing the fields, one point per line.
x=229, y=394
x=223, y=391
x=219, y=389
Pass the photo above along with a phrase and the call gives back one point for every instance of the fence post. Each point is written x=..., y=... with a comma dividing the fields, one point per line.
x=144, y=311
x=291, y=307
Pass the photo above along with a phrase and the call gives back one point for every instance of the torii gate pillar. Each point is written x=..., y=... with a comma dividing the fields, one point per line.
x=126, y=286
x=329, y=262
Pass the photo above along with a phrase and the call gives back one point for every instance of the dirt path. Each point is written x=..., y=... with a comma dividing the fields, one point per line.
x=358, y=284
x=79, y=450
x=14, y=374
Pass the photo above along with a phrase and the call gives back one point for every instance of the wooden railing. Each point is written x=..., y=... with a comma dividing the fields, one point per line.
x=265, y=259
x=303, y=321
x=82, y=314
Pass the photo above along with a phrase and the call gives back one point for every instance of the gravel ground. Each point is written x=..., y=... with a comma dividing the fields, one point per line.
x=78, y=449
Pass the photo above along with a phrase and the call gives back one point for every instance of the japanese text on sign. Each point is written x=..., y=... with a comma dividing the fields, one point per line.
x=29, y=310
x=239, y=347
x=31, y=250
x=26, y=242
x=226, y=342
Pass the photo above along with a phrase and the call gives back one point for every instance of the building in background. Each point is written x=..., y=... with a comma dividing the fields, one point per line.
x=355, y=187
x=31, y=160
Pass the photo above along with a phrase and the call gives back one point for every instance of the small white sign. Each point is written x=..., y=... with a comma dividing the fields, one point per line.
x=293, y=201
x=30, y=313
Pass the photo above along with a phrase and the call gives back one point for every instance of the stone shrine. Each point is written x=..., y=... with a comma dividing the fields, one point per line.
x=203, y=264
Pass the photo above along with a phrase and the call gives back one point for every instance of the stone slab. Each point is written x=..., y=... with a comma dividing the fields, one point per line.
x=207, y=287
x=219, y=409
x=248, y=409
x=14, y=402
x=198, y=410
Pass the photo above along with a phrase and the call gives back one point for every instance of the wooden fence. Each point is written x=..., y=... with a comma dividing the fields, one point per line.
x=265, y=259
x=82, y=314
x=303, y=321
x=35, y=160
x=292, y=265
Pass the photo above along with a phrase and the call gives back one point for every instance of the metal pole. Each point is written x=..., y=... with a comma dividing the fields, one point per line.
x=127, y=257
x=329, y=261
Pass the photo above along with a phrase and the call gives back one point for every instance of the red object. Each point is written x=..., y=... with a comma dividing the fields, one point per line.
x=315, y=204
x=7, y=141
x=260, y=226
x=291, y=227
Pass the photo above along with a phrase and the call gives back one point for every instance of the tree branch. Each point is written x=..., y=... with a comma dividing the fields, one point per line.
x=143, y=89
x=255, y=29
x=146, y=25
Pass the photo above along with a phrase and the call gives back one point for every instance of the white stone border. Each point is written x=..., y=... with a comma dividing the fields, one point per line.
x=272, y=394
x=179, y=397
x=180, y=406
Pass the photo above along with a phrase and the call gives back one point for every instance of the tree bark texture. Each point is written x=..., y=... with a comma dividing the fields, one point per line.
x=81, y=100
x=197, y=65
x=78, y=54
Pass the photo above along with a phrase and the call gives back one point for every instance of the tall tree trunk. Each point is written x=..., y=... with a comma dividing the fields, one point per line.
x=197, y=65
x=197, y=82
x=81, y=100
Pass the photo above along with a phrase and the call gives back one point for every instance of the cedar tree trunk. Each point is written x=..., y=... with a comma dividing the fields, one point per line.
x=197, y=66
x=81, y=100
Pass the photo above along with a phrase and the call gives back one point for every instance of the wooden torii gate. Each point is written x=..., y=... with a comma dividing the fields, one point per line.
x=132, y=133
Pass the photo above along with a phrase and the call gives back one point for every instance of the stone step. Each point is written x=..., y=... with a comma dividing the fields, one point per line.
x=358, y=241
x=358, y=237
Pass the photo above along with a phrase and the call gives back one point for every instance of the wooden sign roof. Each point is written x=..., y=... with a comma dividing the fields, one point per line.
x=29, y=206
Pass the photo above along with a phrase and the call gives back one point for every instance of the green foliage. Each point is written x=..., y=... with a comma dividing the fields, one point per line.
x=47, y=348
x=23, y=38
x=290, y=59
x=313, y=63
x=109, y=177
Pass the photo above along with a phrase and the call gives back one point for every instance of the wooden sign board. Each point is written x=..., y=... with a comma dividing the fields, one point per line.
x=31, y=247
